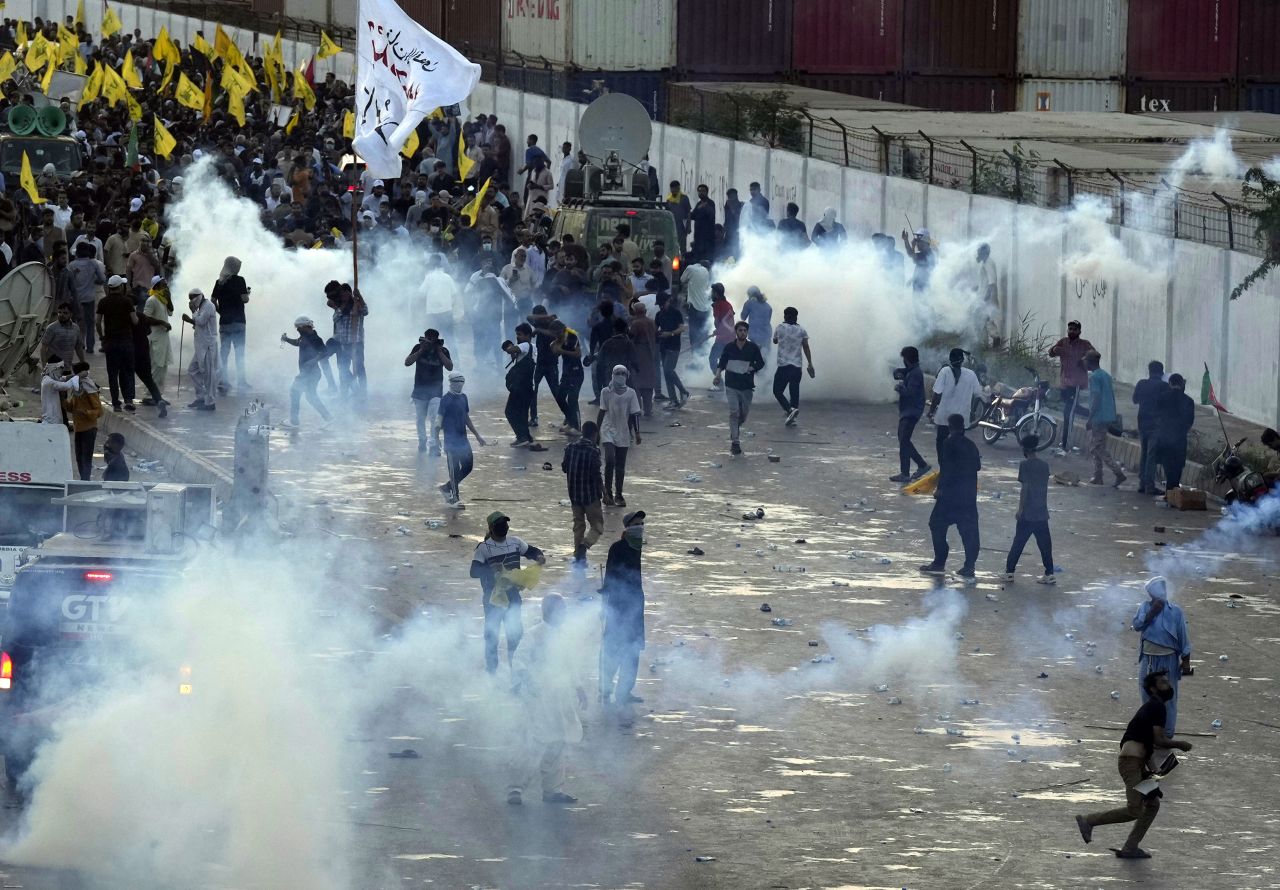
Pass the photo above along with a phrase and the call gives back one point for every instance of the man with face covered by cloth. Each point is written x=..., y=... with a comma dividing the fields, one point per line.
x=623, y=604
x=497, y=554
x=204, y=357
x=1165, y=646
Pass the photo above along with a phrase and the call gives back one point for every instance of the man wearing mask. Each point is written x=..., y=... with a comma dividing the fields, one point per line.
x=230, y=294
x=429, y=359
x=1102, y=416
x=1165, y=646
x=1070, y=352
x=910, y=389
x=957, y=501
x=740, y=361
x=519, y=382
x=203, y=368
x=954, y=391
x=498, y=553
x=622, y=601
x=619, y=422
x=155, y=316
x=455, y=421
x=1175, y=415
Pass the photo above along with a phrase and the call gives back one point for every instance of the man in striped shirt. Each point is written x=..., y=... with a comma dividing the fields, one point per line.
x=581, y=465
x=500, y=552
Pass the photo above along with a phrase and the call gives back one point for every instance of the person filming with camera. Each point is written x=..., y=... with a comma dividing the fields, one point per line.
x=429, y=360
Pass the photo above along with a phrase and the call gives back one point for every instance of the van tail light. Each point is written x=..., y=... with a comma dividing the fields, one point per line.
x=6, y=672
x=675, y=264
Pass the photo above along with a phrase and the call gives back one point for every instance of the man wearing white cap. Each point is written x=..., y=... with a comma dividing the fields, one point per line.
x=375, y=196
x=155, y=315
x=117, y=316
x=203, y=369
x=311, y=351
x=920, y=250
x=1165, y=646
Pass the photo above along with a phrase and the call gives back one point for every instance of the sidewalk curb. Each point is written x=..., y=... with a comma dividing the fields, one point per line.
x=182, y=463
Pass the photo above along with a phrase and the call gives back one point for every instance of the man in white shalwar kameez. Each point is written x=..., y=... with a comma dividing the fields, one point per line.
x=547, y=682
x=204, y=359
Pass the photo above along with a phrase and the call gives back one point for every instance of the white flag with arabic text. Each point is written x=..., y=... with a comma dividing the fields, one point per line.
x=403, y=73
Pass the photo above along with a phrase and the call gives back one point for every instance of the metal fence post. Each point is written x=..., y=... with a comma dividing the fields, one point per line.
x=1071, y=182
x=926, y=138
x=844, y=135
x=1120, y=179
x=884, y=148
x=973, y=175
x=810, y=119
x=1017, y=174
x=1231, y=226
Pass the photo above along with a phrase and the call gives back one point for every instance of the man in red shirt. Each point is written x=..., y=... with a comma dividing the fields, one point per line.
x=722, y=324
x=1071, y=349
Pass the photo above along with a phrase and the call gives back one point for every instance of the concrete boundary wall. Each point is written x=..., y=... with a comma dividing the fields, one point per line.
x=1184, y=318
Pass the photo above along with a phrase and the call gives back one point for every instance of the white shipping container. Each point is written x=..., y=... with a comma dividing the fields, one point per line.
x=1070, y=95
x=610, y=35
x=1072, y=38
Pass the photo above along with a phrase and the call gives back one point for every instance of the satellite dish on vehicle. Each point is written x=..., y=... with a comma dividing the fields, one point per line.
x=615, y=125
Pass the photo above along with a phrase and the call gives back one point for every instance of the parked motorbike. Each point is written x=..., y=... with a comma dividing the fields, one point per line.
x=1244, y=484
x=1019, y=412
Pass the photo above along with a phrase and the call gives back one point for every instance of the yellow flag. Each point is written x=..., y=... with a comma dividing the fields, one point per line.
x=29, y=182
x=80, y=12
x=80, y=65
x=164, y=49
x=168, y=76
x=8, y=65
x=92, y=86
x=222, y=44
x=110, y=22
x=188, y=94
x=302, y=90
x=37, y=53
x=472, y=210
x=135, y=110
x=245, y=70
x=293, y=122
x=327, y=47
x=202, y=46
x=164, y=141
x=235, y=106
x=47, y=80
x=464, y=163
x=22, y=33
x=113, y=86
x=349, y=125
x=269, y=69
x=410, y=147
x=68, y=45
x=234, y=82
x=131, y=77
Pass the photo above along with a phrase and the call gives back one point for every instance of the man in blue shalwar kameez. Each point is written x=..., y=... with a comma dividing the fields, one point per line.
x=1165, y=644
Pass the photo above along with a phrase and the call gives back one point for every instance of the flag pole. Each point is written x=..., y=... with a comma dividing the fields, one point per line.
x=1216, y=412
x=355, y=238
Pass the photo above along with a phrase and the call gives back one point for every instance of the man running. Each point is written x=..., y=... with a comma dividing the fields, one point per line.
x=740, y=359
x=791, y=340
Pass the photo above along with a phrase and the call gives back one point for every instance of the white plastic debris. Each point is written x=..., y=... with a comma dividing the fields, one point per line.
x=434, y=523
x=953, y=731
x=968, y=701
x=692, y=477
x=919, y=730
x=1115, y=695
x=1098, y=668
x=1129, y=555
x=781, y=622
x=404, y=530
x=946, y=767
x=882, y=688
x=1222, y=658
x=790, y=570
x=885, y=561
x=895, y=700
x=1217, y=724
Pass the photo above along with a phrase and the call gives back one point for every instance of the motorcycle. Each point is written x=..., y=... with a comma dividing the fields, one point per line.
x=1020, y=412
x=1244, y=484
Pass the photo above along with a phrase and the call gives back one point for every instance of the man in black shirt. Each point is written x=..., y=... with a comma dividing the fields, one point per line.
x=670, y=323
x=311, y=351
x=740, y=359
x=429, y=360
x=117, y=317
x=1144, y=733
x=957, y=500
x=1175, y=415
x=1146, y=393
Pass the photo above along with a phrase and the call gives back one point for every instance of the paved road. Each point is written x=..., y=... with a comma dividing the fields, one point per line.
x=788, y=773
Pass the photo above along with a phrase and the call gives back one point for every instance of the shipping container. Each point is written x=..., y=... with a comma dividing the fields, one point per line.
x=847, y=36
x=1181, y=40
x=474, y=27
x=597, y=34
x=737, y=37
x=1076, y=39
x=1157, y=97
x=960, y=93
x=1261, y=97
x=1070, y=95
x=1260, y=39
x=649, y=87
x=427, y=13
x=960, y=37
x=885, y=88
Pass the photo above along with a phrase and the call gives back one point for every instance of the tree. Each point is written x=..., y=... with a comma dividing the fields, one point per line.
x=1266, y=214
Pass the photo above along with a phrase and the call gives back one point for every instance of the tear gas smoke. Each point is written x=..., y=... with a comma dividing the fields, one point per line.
x=1211, y=158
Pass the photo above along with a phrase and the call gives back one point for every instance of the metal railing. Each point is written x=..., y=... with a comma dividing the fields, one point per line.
x=1025, y=177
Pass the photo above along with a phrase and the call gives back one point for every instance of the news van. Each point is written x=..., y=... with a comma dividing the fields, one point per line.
x=35, y=465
